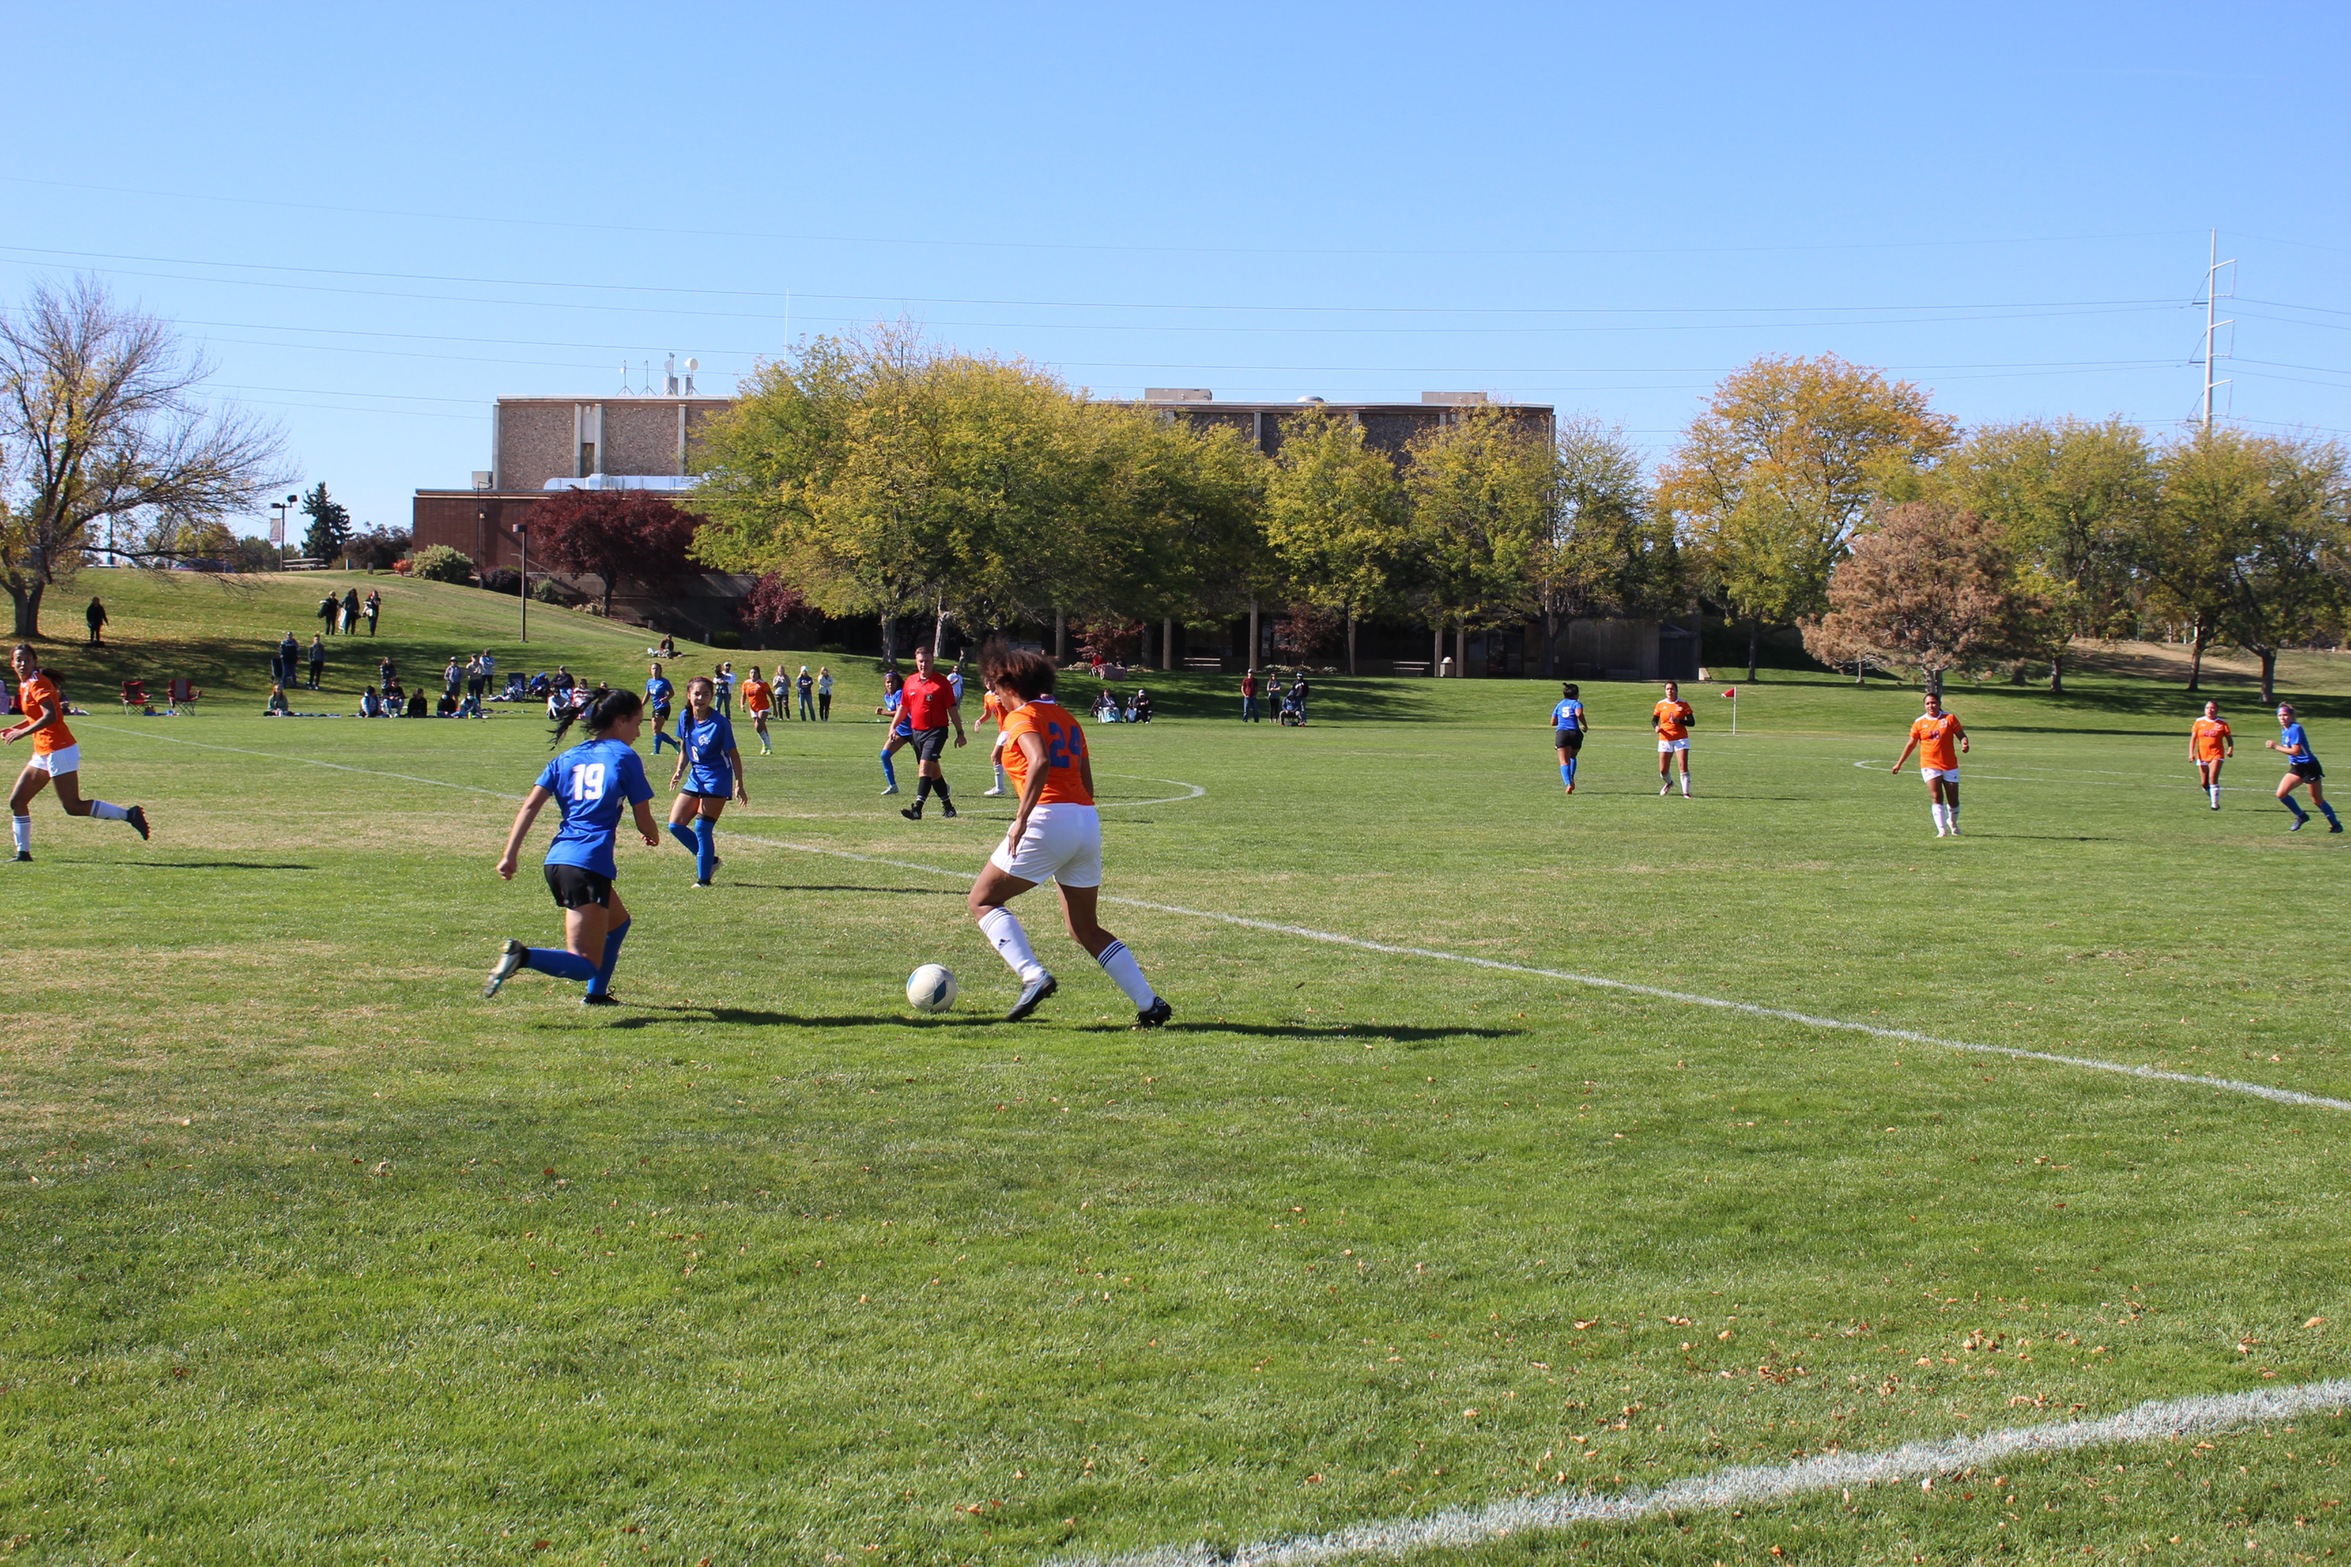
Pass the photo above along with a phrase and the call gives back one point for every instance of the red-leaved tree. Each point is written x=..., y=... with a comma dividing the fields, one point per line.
x=772, y=603
x=615, y=536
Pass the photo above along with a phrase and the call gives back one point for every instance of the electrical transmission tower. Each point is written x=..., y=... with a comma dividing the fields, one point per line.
x=2212, y=327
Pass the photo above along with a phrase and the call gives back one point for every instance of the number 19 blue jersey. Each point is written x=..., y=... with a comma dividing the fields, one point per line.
x=593, y=783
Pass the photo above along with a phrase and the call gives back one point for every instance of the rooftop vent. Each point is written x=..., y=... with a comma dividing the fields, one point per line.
x=1453, y=399
x=1178, y=394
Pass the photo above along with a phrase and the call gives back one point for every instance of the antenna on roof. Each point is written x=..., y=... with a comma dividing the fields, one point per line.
x=692, y=365
x=624, y=378
x=669, y=376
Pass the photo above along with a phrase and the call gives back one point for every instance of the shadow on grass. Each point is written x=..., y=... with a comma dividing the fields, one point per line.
x=1369, y=1033
x=751, y=1018
x=204, y=865
x=903, y=892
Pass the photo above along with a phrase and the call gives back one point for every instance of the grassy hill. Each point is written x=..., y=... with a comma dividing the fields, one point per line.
x=220, y=632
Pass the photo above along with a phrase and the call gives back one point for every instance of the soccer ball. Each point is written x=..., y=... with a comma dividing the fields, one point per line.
x=931, y=988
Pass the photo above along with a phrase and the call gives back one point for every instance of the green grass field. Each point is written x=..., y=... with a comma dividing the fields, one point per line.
x=317, y=1257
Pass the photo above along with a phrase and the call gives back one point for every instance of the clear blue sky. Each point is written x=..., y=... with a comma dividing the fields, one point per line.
x=379, y=220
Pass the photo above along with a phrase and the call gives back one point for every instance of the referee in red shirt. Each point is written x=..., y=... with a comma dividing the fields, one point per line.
x=928, y=706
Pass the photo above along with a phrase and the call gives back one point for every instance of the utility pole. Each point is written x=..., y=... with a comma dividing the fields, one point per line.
x=522, y=534
x=2211, y=293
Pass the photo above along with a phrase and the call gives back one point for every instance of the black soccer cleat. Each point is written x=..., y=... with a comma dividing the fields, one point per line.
x=594, y=999
x=947, y=811
x=2334, y=827
x=508, y=965
x=1154, y=1015
x=137, y=817
x=1032, y=996
x=24, y=856
x=912, y=813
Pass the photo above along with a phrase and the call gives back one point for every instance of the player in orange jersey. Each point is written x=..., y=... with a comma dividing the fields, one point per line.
x=1938, y=738
x=758, y=698
x=56, y=758
x=1055, y=832
x=992, y=710
x=2210, y=743
x=1672, y=719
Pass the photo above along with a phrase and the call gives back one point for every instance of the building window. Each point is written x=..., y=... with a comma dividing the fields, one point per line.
x=587, y=458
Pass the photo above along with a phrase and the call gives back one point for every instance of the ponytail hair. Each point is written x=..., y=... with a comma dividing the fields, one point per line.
x=597, y=715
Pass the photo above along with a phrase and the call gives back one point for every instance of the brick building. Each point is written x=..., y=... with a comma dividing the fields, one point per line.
x=1390, y=427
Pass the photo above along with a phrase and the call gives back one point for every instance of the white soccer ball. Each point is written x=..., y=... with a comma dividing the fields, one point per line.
x=931, y=988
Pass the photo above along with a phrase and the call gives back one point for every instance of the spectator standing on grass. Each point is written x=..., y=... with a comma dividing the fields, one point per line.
x=1298, y=695
x=723, y=685
x=805, y=684
x=95, y=618
x=350, y=612
x=475, y=679
x=371, y=608
x=824, y=693
x=1249, y=697
x=289, y=661
x=326, y=614
x=385, y=675
x=489, y=670
x=318, y=661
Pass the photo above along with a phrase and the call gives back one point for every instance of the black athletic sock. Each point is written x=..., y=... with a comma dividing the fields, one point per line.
x=922, y=790
x=940, y=784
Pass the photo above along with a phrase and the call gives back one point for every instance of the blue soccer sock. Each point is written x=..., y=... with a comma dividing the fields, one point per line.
x=2294, y=805
x=2332, y=818
x=558, y=962
x=705, y=847
x=889, y=773
x=602, y=983
x=1567, y=771
x=685, y=836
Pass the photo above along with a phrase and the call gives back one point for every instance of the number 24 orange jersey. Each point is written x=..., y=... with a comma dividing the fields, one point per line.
x=1065, y=752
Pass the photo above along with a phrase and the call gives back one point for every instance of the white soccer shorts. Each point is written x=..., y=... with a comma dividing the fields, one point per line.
x=1664, y=746
x=1063, y=844
x=67, y=759
x=1947, y=774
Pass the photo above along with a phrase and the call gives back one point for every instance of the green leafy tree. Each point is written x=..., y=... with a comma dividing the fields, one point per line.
x=441, y=563
x=1482, y=491
x=2072, y=497
x=330, y=527
x=1603, y=550
x=1335, y=518
x=2252, y=538
x=1771, y=482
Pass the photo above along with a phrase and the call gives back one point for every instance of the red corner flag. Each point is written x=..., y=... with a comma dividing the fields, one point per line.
x=1732, y=693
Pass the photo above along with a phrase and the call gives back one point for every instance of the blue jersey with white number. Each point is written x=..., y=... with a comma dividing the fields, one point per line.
x=658, y=691
x=593, y=783
x=707, y=742
x=2297, y=744
x=1568, y=715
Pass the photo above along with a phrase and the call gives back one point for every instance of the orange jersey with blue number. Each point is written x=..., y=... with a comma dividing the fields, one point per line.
x=1065, y=752
x=1938, y=742
x=1673, y=720
x=2212, y=738
x=36, y=697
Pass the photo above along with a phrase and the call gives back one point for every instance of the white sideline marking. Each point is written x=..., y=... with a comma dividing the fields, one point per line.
x=2284, y=1096
x=1462, y=1527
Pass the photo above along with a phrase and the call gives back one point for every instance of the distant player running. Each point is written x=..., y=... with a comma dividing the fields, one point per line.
x=927, y=705
x=992, y=711
x=1055, y=832
x=758, y=698
x=2301, y=768
x=2210, y=743
x=1672, y=719
x=1568, y=729
x=1938, y=738
x=893, y=708
x=712, y=771
x=658, y=692
x=56, y=758
x=593, y=783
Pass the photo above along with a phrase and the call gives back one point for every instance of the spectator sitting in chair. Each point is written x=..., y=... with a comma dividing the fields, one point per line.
x=278, y=707
x=1106, y=706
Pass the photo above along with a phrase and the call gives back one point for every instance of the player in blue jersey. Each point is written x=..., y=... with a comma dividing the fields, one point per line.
x=894, y=709
x=593, y=783
x=1567, y=732
x=2301, y=769
x=710, y=770
x=658, y=692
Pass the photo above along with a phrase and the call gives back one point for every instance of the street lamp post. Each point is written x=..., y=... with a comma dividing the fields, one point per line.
x=522, y=533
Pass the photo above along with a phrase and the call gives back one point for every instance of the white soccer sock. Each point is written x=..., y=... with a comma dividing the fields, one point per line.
x=2214, y=791
x=1126, y=973
x=22, y=829
x=108, y=813
x=1951, y=815
x=1002, y=928
x=1685, y=786
x=1935, y=810
x=1002, y=782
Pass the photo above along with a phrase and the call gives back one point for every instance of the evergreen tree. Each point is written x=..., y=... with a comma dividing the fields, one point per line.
x=330, y=524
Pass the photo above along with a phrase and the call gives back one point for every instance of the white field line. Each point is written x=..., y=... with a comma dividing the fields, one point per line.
x=1463, y=1527
x=2285, y=1096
